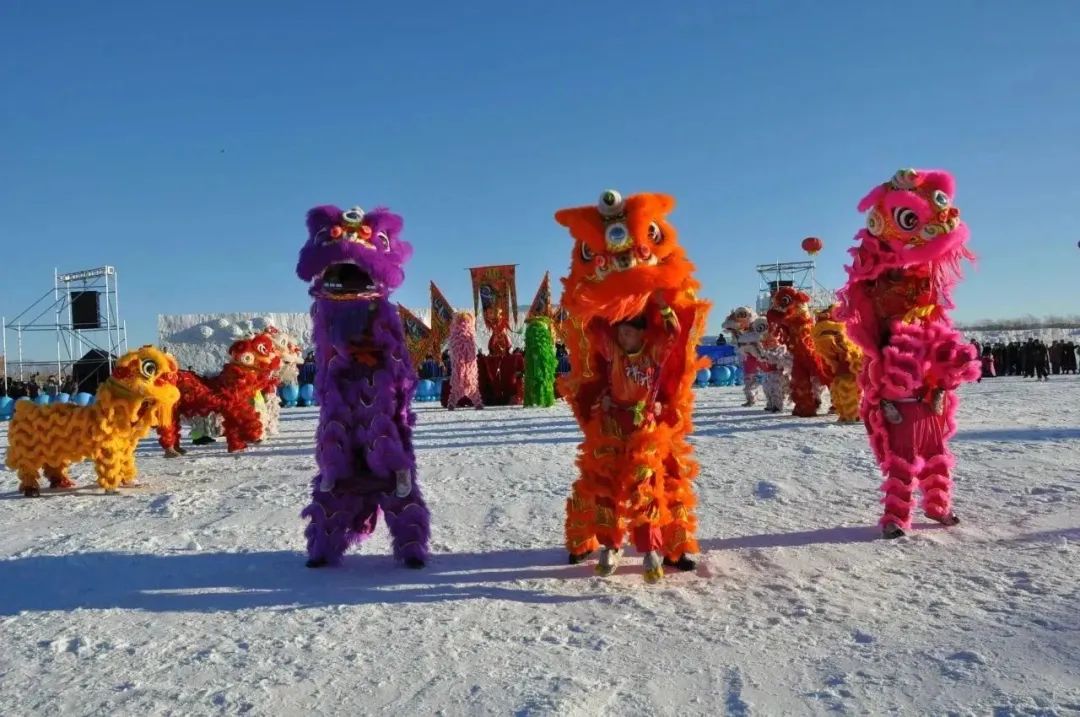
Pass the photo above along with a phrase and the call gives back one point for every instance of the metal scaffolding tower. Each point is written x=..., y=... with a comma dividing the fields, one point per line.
x=82, y=309
x=798, y=274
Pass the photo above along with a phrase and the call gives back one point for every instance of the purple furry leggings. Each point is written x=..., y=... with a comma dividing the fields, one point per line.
x=344, y=517
x=919, y=455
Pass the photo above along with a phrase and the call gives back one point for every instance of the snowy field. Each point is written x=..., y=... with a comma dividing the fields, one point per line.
x=189, y=596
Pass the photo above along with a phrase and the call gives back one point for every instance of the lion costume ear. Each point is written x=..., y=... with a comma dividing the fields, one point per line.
x=578, y=217
x=939, y=179
x=872, y=198
x=321, y=217
x=657, y=205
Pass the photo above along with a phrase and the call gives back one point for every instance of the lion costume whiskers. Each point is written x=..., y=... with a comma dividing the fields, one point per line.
x=139, y=395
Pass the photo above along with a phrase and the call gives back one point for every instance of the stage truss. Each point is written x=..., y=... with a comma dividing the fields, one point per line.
x=52, y=313
x=798, y=274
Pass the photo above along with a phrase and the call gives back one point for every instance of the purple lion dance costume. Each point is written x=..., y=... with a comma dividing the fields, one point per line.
x=364, y=383
x=896, y=305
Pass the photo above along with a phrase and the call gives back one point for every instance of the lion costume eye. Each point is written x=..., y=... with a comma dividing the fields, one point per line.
x=656, y=234
x=874, y=223
x=610, y=204
x=148, y=368
x=261, y=348
x=352, y=217
x=905, y=218
x=384, y=241
x=586, y=252
x=247, y=358
x=940, y=199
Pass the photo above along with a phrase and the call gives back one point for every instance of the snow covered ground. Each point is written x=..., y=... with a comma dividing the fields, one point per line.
x=189, y=596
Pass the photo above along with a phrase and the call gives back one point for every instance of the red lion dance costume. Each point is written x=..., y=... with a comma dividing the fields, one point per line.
x=790, y=315
x=635, y=464
x=895, y=304
x=231, y=394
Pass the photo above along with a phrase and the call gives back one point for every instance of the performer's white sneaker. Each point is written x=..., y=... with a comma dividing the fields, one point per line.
x=654, y=567
x=609, y=560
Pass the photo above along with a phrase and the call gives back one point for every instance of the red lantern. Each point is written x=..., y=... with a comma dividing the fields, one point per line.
x=812, y=245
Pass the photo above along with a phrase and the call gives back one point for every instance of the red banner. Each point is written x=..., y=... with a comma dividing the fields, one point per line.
x=495, y=293
x=442, y=313
x=541, y=303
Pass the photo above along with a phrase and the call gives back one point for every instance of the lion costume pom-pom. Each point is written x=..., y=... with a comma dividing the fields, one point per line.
x=140, y=394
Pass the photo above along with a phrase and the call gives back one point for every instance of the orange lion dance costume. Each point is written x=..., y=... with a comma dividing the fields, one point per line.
x=139, y=395
x=635, y=464
x=790, y=315
x=843, y=359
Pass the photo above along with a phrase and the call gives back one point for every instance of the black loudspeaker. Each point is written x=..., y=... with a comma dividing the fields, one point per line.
x=85, y=312
x=774, y=285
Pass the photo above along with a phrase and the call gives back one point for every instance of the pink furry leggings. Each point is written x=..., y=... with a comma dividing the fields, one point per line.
x=918, y=454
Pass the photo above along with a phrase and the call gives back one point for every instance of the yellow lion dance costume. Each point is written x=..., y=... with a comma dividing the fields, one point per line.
x=636, y=467
x=843, y=360
x=139, y=395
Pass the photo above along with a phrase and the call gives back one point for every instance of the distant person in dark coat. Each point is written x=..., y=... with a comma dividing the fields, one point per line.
x=1056, y=353
x=1041, y=361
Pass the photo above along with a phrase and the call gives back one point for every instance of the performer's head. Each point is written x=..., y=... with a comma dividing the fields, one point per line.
x=630, y=334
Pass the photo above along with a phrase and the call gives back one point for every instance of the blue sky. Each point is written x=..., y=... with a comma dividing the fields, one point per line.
x=183, y=142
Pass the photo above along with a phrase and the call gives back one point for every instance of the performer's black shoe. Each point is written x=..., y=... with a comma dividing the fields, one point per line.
x=950, y=519
x=579, y=558
x=315, y=562
x=203, y=441
x=892, y=531
x=684, y=563
x=414, y=563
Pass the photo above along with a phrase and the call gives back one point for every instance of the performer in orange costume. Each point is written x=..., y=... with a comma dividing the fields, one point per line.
x=790, y=316
x=633, y=326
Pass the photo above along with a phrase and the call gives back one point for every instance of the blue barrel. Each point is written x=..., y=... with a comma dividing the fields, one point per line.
x=7, y=408
x=290, y=394
x=307, y=394
x=83, y=399
x=702, y=377
x=62, y=398
x=43, y=399
x=722, y=375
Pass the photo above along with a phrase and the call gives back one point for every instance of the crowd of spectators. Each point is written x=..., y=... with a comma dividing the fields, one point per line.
x=35, y=386
x=1032, y=358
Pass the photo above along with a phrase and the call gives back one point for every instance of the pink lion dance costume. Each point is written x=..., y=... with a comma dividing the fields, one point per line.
x=464, y=372
x=895, y=305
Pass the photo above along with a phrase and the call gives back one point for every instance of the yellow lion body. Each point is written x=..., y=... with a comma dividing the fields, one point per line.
x=843, y=361
x=50, y=438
